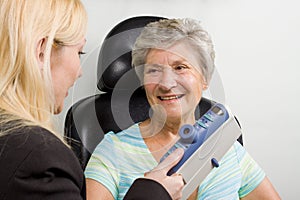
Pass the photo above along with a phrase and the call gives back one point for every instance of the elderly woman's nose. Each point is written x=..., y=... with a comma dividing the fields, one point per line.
x=168, y=79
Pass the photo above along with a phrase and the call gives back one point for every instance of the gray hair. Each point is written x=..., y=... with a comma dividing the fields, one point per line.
x=167, y=32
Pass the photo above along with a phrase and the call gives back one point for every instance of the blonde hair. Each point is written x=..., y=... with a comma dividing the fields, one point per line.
x=26, y=91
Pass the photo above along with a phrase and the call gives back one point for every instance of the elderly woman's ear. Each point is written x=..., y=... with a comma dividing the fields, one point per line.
x=204, y=84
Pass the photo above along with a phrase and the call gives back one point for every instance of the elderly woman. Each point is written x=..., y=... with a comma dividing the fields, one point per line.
x=174, y=59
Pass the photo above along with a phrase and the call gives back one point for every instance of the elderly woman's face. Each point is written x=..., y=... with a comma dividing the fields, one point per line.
x=173, y=80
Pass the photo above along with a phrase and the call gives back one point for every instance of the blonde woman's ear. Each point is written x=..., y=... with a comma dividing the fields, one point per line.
x=40, y=51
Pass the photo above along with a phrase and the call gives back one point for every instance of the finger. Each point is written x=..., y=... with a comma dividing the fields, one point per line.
x=179, y=176
x=176, y=174
x=170, y=161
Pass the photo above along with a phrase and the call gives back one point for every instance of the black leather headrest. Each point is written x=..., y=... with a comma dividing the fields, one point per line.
x=115, y=54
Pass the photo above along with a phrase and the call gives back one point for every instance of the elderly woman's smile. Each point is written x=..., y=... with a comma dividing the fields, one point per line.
x=171, y=97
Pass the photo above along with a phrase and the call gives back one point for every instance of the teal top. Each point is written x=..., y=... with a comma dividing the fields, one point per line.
x=121, y=158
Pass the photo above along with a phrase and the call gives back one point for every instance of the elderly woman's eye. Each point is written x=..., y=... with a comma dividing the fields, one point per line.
x=151, y=71
x=180, y=67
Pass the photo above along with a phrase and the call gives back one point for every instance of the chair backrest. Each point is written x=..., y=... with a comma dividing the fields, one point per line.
x=122, y=101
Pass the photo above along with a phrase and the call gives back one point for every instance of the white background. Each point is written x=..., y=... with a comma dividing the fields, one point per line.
x=257, y=56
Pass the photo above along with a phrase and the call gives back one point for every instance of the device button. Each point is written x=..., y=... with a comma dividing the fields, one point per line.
x=215, y=163
x=202, y=124
x=208, y=116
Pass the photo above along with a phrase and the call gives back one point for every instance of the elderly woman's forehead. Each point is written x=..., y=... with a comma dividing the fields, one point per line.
x=182, y=50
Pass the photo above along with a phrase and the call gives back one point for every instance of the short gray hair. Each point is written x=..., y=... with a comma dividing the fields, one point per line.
x=165, y=33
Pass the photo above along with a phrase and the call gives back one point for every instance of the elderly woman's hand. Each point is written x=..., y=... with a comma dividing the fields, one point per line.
x=173, y=183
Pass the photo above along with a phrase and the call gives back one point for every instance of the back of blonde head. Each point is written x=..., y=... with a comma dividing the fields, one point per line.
x=26, y=91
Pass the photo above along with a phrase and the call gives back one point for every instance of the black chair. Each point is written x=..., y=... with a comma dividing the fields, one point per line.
x=122, y=101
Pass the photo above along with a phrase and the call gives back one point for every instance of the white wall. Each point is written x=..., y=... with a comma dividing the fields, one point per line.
x=257, y=49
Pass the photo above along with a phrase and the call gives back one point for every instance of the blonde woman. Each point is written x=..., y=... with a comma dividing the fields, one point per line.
x=40, y=46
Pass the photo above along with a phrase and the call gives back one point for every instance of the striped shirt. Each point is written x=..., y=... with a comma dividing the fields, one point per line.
x=121, y=158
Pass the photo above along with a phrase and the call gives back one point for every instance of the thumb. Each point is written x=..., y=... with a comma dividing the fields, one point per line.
x=170, y=161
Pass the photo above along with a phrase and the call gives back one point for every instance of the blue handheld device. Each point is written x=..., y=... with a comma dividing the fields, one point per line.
x=204, y=143
x=193, y=136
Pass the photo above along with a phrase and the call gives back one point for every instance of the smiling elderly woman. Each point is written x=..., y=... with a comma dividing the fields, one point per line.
x=174, y=59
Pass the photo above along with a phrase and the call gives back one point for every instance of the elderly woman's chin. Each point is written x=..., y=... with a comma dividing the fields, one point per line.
x=170, y=113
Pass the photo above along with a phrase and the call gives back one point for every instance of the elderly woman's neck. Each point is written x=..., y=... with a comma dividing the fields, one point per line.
x=157, y=125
